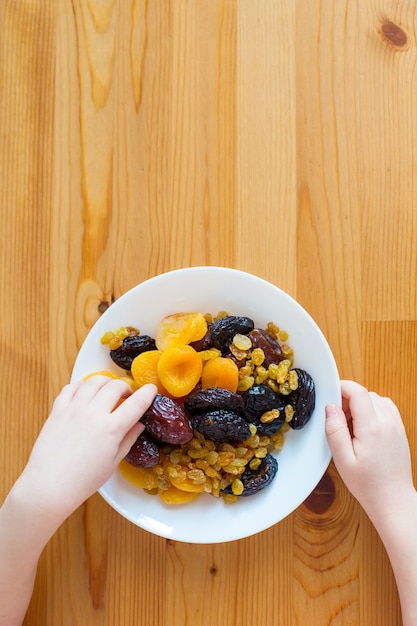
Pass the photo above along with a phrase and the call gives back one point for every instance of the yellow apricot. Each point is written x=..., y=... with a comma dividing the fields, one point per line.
x=144, y=369
x=220, y=372
x=101, y=373
x=180, y=329
x=141, y=476
x=172, y=495
x=179, y=370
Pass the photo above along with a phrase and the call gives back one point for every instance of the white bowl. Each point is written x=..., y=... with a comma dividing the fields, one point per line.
x=305, y=455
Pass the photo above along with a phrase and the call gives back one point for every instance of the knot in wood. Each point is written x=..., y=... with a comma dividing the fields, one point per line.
x=323, y=496
x=394, y=34
x=104, y=304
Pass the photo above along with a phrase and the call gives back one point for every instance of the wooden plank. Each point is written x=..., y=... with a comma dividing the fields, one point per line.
x=27, y=52
x=278, y=138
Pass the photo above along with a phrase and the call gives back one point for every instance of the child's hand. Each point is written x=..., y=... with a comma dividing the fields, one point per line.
x=82, y=442
x=374, y=462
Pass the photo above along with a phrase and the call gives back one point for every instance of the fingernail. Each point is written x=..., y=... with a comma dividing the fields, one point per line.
x=331, y=409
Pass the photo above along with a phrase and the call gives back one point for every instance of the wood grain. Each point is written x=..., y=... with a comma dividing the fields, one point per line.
x=274, y=137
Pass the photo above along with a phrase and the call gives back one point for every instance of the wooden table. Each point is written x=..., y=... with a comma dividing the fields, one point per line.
x=278, y=137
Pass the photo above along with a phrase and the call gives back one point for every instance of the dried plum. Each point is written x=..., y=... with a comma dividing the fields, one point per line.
x=205, y=343
x=302, y=399
x=258, y=400
x=130, y=348
x=204, y=400
x=225, y=328
x=221, y=426
x=144, y=452
x=269, y=345
x=255, y=480
x=167, y=421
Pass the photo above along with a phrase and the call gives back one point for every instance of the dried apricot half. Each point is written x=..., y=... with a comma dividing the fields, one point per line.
x=172, y=495
x=180, y=329
x=141, y=476
x=220, y=372
x=101, y=373
x=144, y=369
x=179, y=370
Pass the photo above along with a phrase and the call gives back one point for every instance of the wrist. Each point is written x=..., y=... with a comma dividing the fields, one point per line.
x=24, y=504
x=391, y=512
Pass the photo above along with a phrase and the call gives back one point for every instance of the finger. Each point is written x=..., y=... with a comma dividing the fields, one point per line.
x=88, y=389
x=350, y=387
x=381, y=402
x=338, y=436
x=110, y=394
x=129, y=439
x=135, y=405
x=361, y=407
x=65, y=396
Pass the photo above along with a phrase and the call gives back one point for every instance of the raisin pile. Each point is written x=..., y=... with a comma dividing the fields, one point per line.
x=228, y=392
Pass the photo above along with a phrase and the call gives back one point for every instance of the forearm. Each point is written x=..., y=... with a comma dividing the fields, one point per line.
x=24, y=532
x=398, y=534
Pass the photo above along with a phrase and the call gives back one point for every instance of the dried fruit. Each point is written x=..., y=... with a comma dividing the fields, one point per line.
x=271, y=348
x=235, y=391
x=303, y=400
x=182, y=481
x=179, y=369
x=144, y=369
x=221, y=426
x=130, y=348
x=173, y=495
x=261, y=399
x=205, y=343
x=254, y=480
x=144, y=452
x=220, y=372
x=167, y=421
x=225, y=328
x=180, y=329
x=141, y=476
x=204, y=400
x=101, y=373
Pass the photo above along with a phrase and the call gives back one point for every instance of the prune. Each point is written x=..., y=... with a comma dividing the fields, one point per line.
x=205, y=343
x=204, y=400
x=166, y=420
x=269, y=345
x=258, y=400
x=130, y=348
x=225, y=328
x=221, y=426
x=144, y=452
x=302, y=399
x=255, y=480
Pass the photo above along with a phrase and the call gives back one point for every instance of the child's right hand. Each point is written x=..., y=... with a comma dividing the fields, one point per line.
x=81, y=443
x=374, y=462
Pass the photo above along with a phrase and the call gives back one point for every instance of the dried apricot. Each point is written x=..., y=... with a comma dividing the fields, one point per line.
x=141, y=476
x=185, y=484
x=101, y=373
x=145, y=369
x=180, y=329
x=172, y=495
x=179, y=370
x=220, y=372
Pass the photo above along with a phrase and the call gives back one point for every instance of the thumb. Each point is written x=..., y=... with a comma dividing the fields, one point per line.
x=338, y=435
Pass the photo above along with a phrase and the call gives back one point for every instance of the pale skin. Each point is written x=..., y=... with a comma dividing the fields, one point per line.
x=87, y=434
x=375, y=465
x=78, y=449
